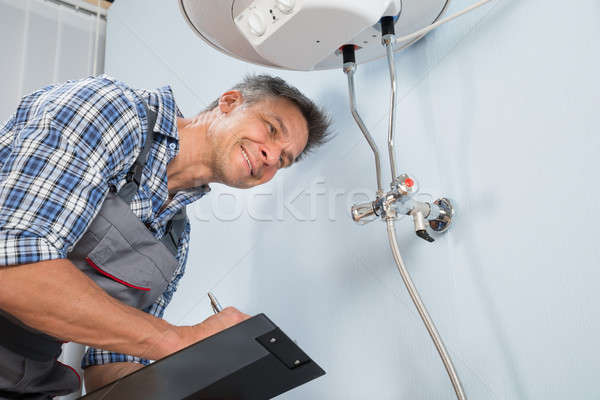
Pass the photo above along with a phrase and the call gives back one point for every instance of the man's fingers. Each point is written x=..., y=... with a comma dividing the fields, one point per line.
x=234, y=314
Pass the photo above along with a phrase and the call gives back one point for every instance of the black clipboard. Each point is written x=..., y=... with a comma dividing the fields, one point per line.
x=253, y=360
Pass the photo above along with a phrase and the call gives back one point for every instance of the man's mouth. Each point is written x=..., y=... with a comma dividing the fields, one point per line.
x=247, y=160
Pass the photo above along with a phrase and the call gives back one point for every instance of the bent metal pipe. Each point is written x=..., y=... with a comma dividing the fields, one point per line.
x=349, y=69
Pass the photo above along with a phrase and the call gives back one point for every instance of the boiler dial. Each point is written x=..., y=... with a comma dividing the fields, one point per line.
x=286, y=6
x=256, y=23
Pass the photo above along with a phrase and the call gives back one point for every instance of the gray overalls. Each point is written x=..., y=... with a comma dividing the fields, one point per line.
x=121, y=256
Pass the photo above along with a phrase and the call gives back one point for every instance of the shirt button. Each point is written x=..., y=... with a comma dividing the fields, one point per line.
x=172, y=146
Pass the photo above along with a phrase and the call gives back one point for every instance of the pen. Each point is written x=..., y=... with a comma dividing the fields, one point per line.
x=214, y=303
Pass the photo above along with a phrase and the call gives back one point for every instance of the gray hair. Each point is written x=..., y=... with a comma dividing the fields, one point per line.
x=255, y=88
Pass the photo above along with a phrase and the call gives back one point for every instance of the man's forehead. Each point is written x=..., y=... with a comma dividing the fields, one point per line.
x=286, y=111
x=277, y=103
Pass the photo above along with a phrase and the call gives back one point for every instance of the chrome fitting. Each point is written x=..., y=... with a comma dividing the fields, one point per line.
x=440, y=222
x=349, y=67
x=364, y=213
x=388, y=40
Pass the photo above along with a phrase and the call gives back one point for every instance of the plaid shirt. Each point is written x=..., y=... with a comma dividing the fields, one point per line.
x=60, y=152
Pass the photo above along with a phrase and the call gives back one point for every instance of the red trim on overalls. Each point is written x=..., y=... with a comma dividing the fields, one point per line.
x=72, y=369
x=97, y=268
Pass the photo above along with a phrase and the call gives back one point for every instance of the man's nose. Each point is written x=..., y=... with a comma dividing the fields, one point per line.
x=269, y=155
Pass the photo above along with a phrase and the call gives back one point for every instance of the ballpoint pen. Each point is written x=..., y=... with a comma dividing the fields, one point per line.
x=216, y=306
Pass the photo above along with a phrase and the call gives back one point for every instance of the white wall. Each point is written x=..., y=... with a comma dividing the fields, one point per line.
x=43, y=42
x=497, y=110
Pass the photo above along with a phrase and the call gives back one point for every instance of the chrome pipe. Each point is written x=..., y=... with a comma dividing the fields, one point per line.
x=414, y=295
x=388, y=42
x=349, y=69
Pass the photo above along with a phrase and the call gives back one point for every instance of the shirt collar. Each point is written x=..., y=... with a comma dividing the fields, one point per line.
x=194, y=193
x=181, y=199
x=163, y=103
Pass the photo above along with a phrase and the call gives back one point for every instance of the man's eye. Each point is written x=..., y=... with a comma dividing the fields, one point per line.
x=271, y=129
x=280, y=161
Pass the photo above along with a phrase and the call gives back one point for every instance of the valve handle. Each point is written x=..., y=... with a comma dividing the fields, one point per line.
x=423, y=234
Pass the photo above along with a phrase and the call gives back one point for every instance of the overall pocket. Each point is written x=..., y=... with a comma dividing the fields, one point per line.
x=122, y=256
x=128, y=272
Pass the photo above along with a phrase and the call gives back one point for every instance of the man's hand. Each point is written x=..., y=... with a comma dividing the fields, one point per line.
x=229, y=317
x=99, y=375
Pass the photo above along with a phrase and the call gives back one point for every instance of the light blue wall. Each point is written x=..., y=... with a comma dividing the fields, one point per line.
x=498, y=110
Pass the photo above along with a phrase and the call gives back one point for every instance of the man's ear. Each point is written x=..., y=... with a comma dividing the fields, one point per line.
x=230, y=100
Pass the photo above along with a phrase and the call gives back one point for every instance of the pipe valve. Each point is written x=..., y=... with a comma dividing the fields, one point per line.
x=400, y=200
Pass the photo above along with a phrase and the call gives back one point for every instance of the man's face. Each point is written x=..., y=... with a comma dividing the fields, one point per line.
x=252, y=141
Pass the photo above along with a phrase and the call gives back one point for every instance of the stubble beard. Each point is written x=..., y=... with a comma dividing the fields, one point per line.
x=222, y=160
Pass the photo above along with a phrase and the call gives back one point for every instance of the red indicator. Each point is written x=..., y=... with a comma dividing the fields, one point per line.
x=341, y=49
x=409, y=182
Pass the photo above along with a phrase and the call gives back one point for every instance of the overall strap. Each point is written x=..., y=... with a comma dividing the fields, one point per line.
x=176, y=225
x=175, y=228
x=134, y=175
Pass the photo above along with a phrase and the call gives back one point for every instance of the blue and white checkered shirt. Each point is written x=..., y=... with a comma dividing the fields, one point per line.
x=60, y=152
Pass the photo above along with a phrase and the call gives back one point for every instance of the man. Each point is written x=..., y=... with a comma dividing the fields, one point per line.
x=94, y=180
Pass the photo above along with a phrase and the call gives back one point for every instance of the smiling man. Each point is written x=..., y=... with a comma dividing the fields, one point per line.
x=94, y=180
